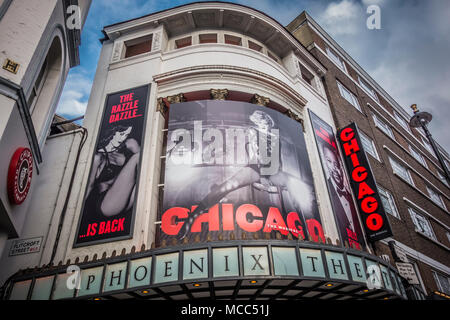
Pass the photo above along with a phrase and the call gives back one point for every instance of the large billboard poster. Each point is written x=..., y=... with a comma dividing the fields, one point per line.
x=108, y=208
x=371, y=210
x=234, y=168
x=338, y=186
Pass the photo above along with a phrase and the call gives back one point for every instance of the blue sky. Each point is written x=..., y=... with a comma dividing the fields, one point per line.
x=408, y=56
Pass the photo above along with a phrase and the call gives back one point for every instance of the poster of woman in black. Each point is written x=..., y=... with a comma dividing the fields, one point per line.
x=108, y=210
x=233, y=168
x=337, y=183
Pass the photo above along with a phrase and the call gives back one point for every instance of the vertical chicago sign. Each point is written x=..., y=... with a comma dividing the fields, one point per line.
x=235, y=168
x=363, y=183
x=109, y=201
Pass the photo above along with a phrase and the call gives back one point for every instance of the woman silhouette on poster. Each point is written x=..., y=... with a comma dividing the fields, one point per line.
x=112, y=181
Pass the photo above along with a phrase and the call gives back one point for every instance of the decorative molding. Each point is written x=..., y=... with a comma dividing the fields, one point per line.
x=161, y=107
x=116, y=51
x=295, y=117
x=156, y=41
x=260, y=100
x=176, y=98
x=219, y=94
x=234, y=71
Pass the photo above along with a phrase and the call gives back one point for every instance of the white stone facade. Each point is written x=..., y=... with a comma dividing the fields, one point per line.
x=171, y=71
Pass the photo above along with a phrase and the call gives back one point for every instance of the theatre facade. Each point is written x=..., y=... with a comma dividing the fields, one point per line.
x=209, y=167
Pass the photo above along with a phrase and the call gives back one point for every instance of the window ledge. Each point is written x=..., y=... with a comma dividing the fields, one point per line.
x=432, y=240
x=421, y=192
x=420, y=175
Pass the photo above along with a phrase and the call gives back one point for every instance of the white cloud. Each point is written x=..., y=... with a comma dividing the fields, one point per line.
x=342, y=18
x=75, y=95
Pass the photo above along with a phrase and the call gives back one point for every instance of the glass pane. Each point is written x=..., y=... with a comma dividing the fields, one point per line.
x=166, y=268
x=181, y=43
x=91, y=280
x=195, y=264
x=254, y=46
x=208, y=38
x=115, y=276
x=42, y=288
x=256, y=261
x=225, y=262
x=312, y=263
x=285, y=261
x=139, y=274
x=233, y=40
x=20, y=290
x=336, y=265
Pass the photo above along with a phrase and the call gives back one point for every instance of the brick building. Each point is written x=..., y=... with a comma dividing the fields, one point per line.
x=410, y=178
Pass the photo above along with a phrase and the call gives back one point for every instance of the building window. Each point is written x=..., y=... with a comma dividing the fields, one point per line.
x=442, y=282
x=272, y=56
x=416, y=154
x=403, y=123
x=383, y=126
x=138, y=46
x=369, y=145
x=208, y=38
x=38, y=85
x=427, y=145
x=347, y=95
x=388, y=202
x=422, y=224
x=435, y=197
x=183, y=42
x=307, y=76
x=336, y=59
x=442, y=178
x=229, y=39
x=368, y=89
x=401, y=171
x=254, y=46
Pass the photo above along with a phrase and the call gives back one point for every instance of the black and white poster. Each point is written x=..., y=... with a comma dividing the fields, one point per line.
x=338, y=186
x=234, y=168
x=108, y=210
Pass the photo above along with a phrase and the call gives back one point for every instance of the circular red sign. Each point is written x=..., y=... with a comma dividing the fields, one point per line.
x=19, y=175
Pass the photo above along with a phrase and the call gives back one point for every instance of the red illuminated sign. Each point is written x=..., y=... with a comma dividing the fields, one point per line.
x=363, y=184
x=19, y=175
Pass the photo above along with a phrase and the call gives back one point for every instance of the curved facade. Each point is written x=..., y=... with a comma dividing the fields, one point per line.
x=37, y=51
x=175, y=93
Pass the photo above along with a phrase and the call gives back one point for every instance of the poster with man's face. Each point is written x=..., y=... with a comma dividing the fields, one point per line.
x=235, y=168
x=337, y=183
x=108, y=207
